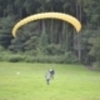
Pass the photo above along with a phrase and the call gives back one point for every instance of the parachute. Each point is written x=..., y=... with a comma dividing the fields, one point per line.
x=48, y=15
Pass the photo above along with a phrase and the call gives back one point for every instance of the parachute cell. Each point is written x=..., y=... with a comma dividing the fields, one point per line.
x=48, y=15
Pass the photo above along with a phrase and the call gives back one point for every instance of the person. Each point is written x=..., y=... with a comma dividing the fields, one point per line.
x=49, y=75
x=52, y=72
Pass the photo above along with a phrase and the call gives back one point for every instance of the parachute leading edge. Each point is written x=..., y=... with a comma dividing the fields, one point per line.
x=48, y=15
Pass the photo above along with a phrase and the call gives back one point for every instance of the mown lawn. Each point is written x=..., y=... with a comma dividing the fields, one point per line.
x=25, y=81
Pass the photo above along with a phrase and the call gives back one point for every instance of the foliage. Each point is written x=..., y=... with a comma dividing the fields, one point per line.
x=96, y=66
x=6, y=25
x=31, y=57
x=95, y=50
x=52, y=59
x=51, y=37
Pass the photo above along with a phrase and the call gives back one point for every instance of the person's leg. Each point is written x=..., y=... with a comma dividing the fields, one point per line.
x=48, y=81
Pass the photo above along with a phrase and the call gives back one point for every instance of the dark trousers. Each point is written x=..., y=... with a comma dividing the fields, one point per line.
x=48, y=80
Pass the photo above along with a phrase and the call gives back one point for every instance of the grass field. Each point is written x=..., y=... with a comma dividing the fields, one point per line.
x=25, y=81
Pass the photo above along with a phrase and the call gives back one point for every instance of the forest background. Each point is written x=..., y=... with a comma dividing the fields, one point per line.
x=51, y=40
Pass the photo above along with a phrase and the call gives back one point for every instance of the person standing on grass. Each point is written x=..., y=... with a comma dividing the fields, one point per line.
x=49, y=75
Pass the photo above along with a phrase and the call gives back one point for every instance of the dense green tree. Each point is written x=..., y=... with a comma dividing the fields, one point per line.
x=51, y=36
x=6, y=25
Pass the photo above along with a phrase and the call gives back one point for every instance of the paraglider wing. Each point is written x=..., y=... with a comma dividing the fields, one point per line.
x=48, y=15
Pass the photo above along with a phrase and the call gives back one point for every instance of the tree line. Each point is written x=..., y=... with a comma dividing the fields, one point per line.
x=51, y=39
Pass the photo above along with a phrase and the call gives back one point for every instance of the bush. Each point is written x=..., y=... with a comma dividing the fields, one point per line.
x=12, y=57
x=15, y=58
x=96, y=66
x=54, y=49
x=70, y=58
x=67, y=58
x=1, y=48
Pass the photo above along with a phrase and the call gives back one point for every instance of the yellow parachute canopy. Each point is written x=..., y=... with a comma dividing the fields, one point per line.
x=55, y=15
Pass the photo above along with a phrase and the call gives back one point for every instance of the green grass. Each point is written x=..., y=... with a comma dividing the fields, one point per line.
x=71, y=82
